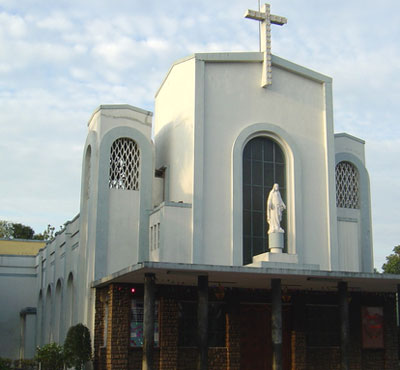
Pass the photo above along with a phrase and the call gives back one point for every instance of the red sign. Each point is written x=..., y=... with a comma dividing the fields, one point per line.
x=372, y=327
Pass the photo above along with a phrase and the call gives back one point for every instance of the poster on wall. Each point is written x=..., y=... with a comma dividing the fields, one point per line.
x=136, y=326
x=372, y=327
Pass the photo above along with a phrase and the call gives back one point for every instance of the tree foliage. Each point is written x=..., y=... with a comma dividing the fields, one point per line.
x=392, y=265
x=22, y=231
x=77, y=346
x=50, y=356
x=47, y=234
x=6, y=230
x=12, y=230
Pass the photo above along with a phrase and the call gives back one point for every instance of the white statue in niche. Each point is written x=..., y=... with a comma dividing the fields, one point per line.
x=275, y=207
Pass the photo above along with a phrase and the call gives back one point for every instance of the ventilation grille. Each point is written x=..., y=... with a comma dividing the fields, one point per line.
x=347, y=186
x=124, y=165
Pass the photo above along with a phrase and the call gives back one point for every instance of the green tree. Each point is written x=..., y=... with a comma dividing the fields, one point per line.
x=13, y=230
x=22, y=231
x=6, y=229
x=5, y=363
x=392, y=265
x=48, y=234
x=77, y=346
x=50, y=356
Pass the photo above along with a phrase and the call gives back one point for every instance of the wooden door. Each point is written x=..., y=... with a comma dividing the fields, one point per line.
x=255, y=337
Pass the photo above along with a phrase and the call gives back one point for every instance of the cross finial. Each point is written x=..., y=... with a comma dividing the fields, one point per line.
x=266, y=18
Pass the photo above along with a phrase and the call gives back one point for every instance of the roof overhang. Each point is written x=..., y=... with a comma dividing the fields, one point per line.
x=251, y=277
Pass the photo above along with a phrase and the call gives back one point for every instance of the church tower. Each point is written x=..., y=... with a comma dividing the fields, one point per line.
x=116, y=189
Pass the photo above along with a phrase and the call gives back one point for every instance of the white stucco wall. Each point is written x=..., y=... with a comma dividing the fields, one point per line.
x=54, y=265
x=349, y=240
x=174, y=129
x=17, y=291
x=123, y=235
x=107, y=117
x=355, y=225
x=228, y=100
x=234, y=100
x=345, y=143
x=172, y=242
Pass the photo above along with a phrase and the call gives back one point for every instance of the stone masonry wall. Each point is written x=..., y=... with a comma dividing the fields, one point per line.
x=99, y=360
x=118, y=327
x=233, y=340
x=169, y=356
x=168, y=324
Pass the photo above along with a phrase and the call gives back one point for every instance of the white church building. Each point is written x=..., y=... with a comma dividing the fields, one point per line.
x=170, y=262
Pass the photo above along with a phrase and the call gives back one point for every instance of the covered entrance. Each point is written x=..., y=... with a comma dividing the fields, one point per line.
x=151, y=316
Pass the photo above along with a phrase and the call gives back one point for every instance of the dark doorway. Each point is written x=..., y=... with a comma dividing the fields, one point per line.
x=255, y=337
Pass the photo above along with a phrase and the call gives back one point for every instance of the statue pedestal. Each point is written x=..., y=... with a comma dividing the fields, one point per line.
x=275, y=242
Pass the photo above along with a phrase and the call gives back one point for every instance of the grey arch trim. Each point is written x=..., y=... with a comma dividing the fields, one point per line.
x=145, y=188
x=91, y=141
x=294, y=188
x=367, y=260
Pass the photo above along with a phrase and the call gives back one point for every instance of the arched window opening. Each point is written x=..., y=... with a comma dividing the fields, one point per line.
x=347, y=186
x=47, y=317
x=57, y=312
x=87, y=172
x=39, y=322
x=69, y=302
x=263, y=166
x=124, y=165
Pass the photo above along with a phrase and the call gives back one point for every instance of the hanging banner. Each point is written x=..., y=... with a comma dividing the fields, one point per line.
x=372, y=327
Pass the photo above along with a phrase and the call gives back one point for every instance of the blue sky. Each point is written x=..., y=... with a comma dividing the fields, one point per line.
x=59, y=60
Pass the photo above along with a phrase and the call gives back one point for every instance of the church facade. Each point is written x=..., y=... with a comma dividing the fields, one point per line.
x=170, y=262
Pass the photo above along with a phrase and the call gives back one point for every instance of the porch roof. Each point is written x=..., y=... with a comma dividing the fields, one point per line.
x=252, y=277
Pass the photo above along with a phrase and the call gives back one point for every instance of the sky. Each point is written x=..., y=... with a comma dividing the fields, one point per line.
x=59, y=60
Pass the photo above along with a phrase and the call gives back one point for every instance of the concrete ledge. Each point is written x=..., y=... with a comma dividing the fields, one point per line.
x=280, y=260
x=283, y=265
x=276, y=257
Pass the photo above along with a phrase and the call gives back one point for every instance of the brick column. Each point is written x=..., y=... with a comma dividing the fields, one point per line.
x=202, y=322
x=390, y=332
x=276, y=324
x=99, y=361
x=233, y=338
x=168, y=309
x=148, y=322
x=298, y=335
x=344, y=325
x=118, y=327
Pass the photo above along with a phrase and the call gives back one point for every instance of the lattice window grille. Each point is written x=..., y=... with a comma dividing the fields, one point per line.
x=124, y=165
x=347, y=186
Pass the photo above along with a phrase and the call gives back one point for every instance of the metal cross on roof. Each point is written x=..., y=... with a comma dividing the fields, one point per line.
x=266, y=18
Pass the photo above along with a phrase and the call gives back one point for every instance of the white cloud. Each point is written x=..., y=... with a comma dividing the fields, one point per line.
x=12, y=26
x=55, y=22
x=60, y=60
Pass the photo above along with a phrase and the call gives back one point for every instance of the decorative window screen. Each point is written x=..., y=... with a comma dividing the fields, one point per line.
x=124, y=165
x=347, y=186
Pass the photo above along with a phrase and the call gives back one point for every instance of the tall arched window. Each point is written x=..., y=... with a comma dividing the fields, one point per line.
x=39, y=322
x=48, y=317
x=263, y=166
x=57, y=312
x=87, y=172
x=347, y=186
x=124, y=165
x=69, y=302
